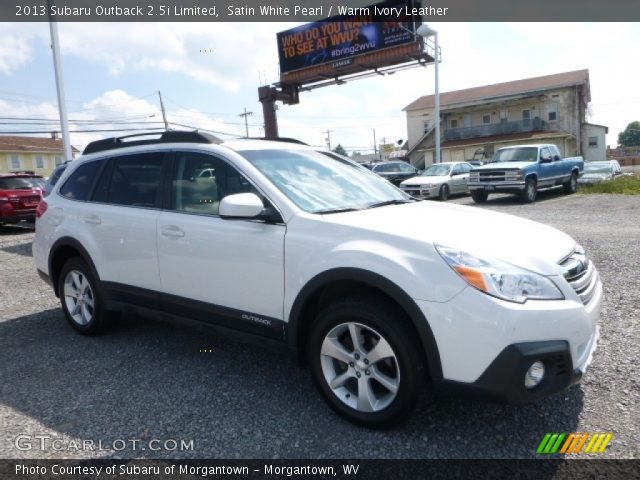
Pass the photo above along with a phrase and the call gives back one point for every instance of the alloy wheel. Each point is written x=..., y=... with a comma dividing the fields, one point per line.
x=78, y=297
x=360, y=367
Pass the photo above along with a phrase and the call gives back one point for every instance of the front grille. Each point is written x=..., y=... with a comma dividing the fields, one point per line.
x=492, y=176
x=581, y=274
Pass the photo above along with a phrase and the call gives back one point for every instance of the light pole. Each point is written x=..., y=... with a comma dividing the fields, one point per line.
x=426, y=32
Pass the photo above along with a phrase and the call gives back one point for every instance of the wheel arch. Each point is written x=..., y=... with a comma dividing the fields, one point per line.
x=62, y=250
x=332, y=284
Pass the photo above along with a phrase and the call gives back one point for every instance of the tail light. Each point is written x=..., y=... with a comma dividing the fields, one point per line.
x=41, y=209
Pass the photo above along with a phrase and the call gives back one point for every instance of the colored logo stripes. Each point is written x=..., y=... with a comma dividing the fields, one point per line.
x=574, y=443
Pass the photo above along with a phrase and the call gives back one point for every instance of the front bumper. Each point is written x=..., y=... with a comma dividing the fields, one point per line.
x=486, y=344
x=504, y=187
x=503, y=380
x=422, y=191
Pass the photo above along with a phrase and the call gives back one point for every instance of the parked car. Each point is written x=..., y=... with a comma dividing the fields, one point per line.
x=395, y=171
x=595, y=172
x=439, y=180
x=53, y=178
x=20, y=193
x=523, y=170
x=372, y=289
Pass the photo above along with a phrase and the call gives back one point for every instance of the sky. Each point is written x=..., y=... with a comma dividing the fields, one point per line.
x=209, y=73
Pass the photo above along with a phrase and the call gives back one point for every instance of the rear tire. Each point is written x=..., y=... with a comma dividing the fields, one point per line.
x=375, y=379
x=444, y=193
x=572, y=185
x=479, y=197
x=81, y=299
x=530, y=192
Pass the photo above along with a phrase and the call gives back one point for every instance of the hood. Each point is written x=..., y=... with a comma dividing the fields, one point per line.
x=504, y=166
x=416, y=181
x=521, y=242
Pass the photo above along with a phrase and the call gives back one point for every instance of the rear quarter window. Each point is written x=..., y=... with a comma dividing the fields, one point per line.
x=78, y=185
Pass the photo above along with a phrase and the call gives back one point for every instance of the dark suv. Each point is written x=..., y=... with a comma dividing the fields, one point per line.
x=20, y=194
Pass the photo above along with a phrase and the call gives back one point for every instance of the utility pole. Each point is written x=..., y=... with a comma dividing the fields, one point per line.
x=328, y=139
x=383, y=140
x=246, y=114
x=62, y=101
x=164, y=115
x=375, y=145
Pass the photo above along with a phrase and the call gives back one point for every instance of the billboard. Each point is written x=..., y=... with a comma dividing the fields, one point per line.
x=357, y=39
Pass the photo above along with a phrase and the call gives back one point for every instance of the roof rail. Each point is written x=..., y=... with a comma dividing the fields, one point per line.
x=170, y=136
x=280, y=139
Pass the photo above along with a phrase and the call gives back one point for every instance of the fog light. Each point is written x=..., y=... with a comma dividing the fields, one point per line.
x=534, y=375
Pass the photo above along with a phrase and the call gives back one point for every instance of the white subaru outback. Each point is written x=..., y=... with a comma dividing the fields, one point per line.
x=375, y=290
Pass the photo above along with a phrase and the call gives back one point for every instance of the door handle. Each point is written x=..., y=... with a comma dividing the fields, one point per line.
x=92, y=219
x=172, y=231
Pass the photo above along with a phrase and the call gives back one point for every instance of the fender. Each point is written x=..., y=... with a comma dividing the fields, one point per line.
x=379, y=282
x=76, y=245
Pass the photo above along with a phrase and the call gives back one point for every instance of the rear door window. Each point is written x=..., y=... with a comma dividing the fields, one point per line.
x=132, y=180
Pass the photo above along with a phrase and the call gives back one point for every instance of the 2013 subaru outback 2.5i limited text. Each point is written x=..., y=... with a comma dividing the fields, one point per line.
x=376, y=291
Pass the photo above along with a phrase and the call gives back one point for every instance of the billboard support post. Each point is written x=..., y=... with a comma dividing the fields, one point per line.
x=426, y=32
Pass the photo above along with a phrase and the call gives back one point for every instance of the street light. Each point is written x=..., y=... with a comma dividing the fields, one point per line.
x=426, y=32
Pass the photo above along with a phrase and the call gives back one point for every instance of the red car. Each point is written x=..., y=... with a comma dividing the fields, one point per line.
x=20, y=194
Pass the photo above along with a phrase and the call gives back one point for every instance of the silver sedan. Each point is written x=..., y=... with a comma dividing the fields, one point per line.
x=440, y=180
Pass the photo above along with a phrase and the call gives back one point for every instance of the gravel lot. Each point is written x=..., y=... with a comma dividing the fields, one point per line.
x=151, y=380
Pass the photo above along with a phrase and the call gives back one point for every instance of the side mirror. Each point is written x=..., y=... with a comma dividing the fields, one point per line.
x=556, y=158
x=241, y=205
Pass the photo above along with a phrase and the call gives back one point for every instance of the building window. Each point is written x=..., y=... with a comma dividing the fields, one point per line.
x=552, y=112
x=453, y=123
x=467, y=120
x=593, y=141
x=504, y=115
x=15, y=162
x=426, y=126
x=39, y=161
x=486, y=119
x=58, y=159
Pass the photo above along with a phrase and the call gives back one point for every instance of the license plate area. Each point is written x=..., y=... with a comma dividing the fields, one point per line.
x=489, y=188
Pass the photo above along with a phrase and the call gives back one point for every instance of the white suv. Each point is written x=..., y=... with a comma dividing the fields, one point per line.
x=375, y=290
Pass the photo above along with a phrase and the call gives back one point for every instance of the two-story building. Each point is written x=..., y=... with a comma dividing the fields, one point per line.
x=476, y=121
x=39, y=154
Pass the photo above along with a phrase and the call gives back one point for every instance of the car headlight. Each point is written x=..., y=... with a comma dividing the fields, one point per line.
x=500, y=279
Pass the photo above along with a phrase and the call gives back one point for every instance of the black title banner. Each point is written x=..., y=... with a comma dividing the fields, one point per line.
x=311, y=10
x=122, y=469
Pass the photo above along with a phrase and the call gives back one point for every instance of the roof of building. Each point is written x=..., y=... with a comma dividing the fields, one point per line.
x=517, y=87
x=9, y=143
x=512, y=137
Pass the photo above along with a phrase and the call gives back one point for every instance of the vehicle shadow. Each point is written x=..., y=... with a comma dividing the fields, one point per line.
x=16, y=229
x=161, y=380
x=508, y=200
x=23, y=249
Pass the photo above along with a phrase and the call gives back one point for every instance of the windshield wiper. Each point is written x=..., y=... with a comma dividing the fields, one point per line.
x=337, y=210
x=389, y=202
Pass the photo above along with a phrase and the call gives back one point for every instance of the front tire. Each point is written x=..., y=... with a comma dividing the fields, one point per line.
x=572, y=185
x=444, y=192
x=365, y=362
x=81, y=299
x=529, y=193
x=479, y=197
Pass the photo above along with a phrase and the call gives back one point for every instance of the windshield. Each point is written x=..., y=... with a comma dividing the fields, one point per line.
x=523, y=154
x=604, y=168
x=319, y=183
x=19, y=183
x=436, y=171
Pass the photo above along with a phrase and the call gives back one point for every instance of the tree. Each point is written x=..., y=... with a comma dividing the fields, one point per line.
x=630, y=137
x=340, y=150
